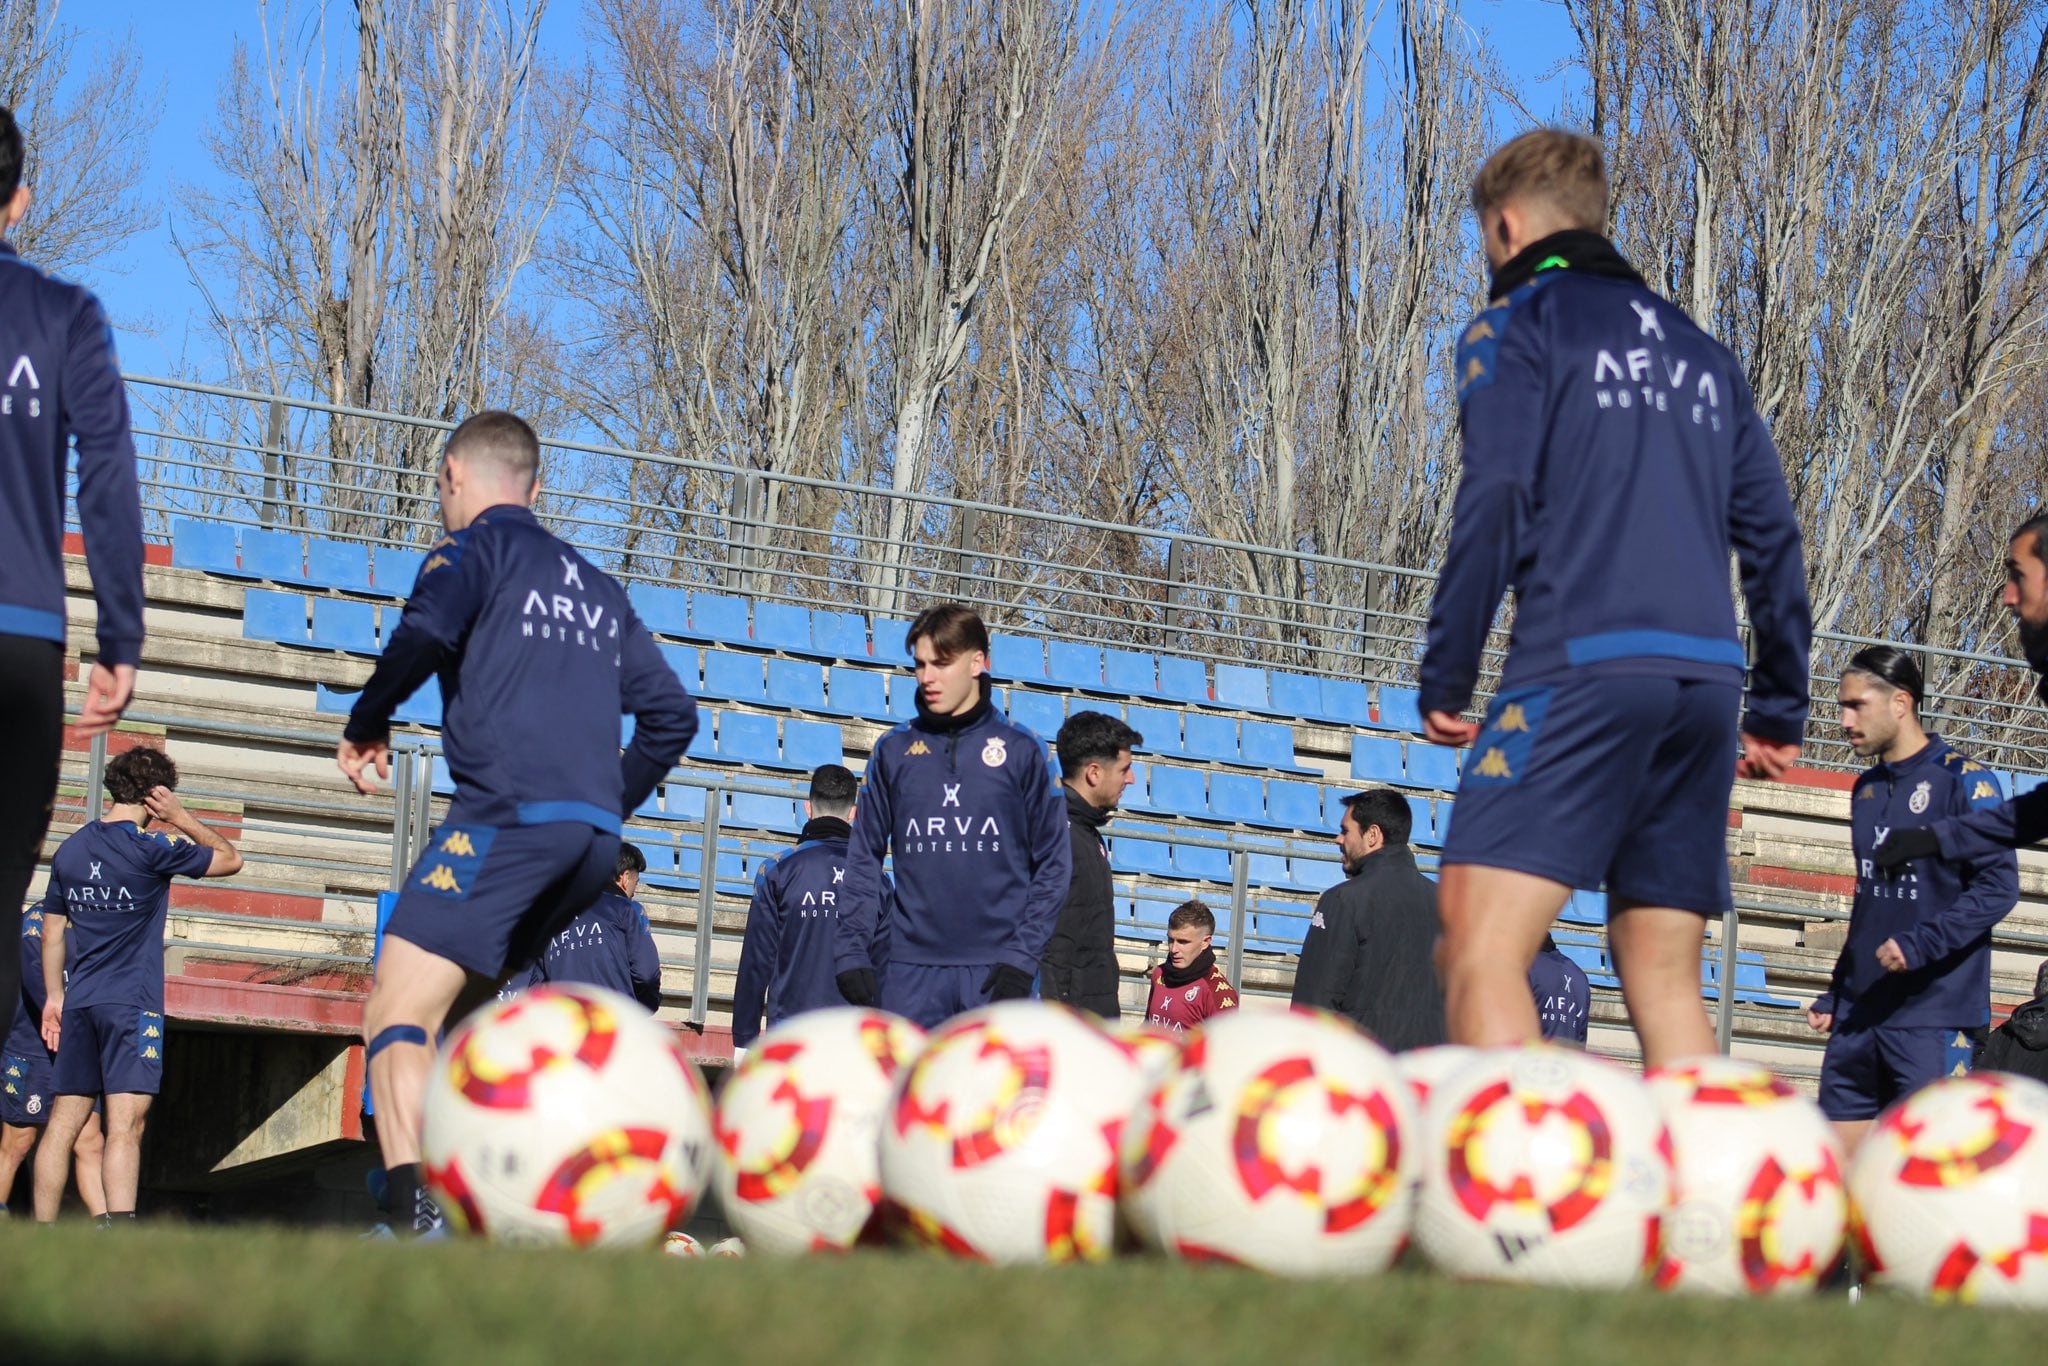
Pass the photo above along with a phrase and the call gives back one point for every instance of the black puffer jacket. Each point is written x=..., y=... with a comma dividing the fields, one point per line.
x=1080, y=958
x=2020, y=1044
x=1370, y=948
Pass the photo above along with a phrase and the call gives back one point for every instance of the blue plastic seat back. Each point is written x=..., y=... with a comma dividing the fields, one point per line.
x=1298, y=806
x=733, y=677
x=807, y=744
x=716, y=617
x=839, y=635
x=1241, y=686
x=1378, y=759
x=683, y=802
x=1132, y=855
x=1018, y=658
x=747, y=738
x=1210, y=865
x=889, y=646
x=1347, y=701
x=1423, y=832
x=1237, y=797
x=1295, y=695
x=686, y=663
x=1131, y=672
x=1040, y=713
x=1210, y=737
x=1401, y=709
x=270, y=615
x=339, y=624
x=276, y=555
x=753, y=811
x=1179, y=790
x=859, y=692
x=1315, y=875
x=782, y=626
x=1268, y=743
x=1267, y=870
x=394, y=571
x=343, y=565
x=1183, y=680
x=204, y=545
x=1074, y=665
x=1432, y=766
x=796, y=683
x=664, y=611
x=1160, y=727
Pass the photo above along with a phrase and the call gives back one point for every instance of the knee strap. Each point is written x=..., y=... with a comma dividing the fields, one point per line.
x=401, y=1033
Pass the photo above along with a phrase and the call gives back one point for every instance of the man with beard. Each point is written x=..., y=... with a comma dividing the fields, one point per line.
x=1079, y=967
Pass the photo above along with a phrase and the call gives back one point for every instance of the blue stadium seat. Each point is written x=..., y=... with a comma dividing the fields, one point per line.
x=1585, y=908
x=1298, y=806
x=1016, y=657
x=716, y=617
x=204, y=545
x=1593, y=961
x=683, y=801
x=1433, y=766
x=1241, y=686
x=1210, y=865
x=687, y=663
x=423, y=708
x=1210, y=737
x=1750, y=986
x=1315, y=875
x=1346, y=700
x=888, y=646
x=394, y=571
x=664, y=611
x=796, y=683
x=1422, y=832
x=1179, y=790
x=1161, y=728
x=1038, y=712
x=752, y=811
x=1128, y=671
x=1266, y=862
x=275, y=555
x=2023, y=783
x=1151, y=907
x=903, y=697
x=1333, y=807
x=1237, y=797
x=333, y=701
x=439, y=779
x=732, y=677
x=339, y=624
x=1131, y=855
x=839, y=635
x=1268, y=744
x=1279, y=924
x=1138, y=794
x=1183, y=680
x=1401, y=709
x=807, y=744
x=1295, y=695
x=659, y=853
x=782, y=626
x=269, y=615
x=343, y=565
x=748, y=738
x=858, y=692
x=1074, y=665
x=704, y=744
x=1377, y=759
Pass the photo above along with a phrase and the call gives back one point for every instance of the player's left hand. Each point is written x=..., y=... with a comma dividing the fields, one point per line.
x=1447, y=728
x=1005, y=983
x=1891, y=957
x=108, y=690
x=356, y=759
x=1766, y=760
x=53, y=1022
x=1903, y=846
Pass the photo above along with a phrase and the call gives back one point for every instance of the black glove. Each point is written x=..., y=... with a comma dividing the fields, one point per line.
x=1006, y=983
x=1903, y=846
x=858, y=986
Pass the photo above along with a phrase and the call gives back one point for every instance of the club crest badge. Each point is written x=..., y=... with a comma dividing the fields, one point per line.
x=994, y=752
x=1917, y=803
x=35, y=1105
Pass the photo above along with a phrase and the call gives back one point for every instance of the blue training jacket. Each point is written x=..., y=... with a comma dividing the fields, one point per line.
x=538, y=655
x=1940, y=909
x=609, y=944
x=63, y=384
x=1612, y=460
x=786, y=965
x=979, y=832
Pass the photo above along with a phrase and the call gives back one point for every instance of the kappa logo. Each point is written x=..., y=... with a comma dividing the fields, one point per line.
x=1982, y=791
x=441, y=880
x=918, y=747
x=1315, y=921
x=435, y=561
x=994, y=752
x=1512, y=718
x=1474, y=369
x=1494, y=764
x=149, y=1054
x=457, y=843
x=151, y=1032
x=1922, y=793
x=1480, y=331
x=1866, y=794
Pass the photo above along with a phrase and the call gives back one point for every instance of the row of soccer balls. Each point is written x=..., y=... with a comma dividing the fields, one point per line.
x=1290, y=1141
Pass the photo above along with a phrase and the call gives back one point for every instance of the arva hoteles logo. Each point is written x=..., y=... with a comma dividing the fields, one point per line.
x=953, y=830
x=569, y=618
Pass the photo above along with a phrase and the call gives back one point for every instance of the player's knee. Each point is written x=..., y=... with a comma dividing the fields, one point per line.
x=16, y=1141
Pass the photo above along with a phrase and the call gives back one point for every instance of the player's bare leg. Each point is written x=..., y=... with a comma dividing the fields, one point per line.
x=53, y=1158
x=121, y=1164
x=87, y=1168
x=16, y=1141
x=1849, y=1133
x=409, y=1001
x=1494, y=920
x=1657, y=955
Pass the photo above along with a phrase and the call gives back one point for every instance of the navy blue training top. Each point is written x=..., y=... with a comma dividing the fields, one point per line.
x=609, y=944
x=786, y=955
x=538, y=655
x=1613, y=459
x=25, y=1036
x=113, y=882
x=59, y=383
x=1563, y=996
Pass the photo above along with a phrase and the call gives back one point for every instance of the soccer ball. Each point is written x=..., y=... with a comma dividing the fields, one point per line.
x=1156, y=1048
x=728, y=1249
x=1425, y=1069
x=1002, y=1145
x=681, y=1244
x=565, y=1115
x=798, y=1126
x=1282, y=1140
x=1760, y=1206
x=1951, y=1191
x=1544, y=1165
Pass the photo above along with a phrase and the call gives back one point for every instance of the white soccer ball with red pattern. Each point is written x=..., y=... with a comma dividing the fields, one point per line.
x=799, y=1127
x=1950, y=1188
x=565, y=1115
x=1156, y=1047
x=1003, y=1142
x=1761, y=1207
x=1546, y=1165
x=1281, y=1140
x=1425, y=1069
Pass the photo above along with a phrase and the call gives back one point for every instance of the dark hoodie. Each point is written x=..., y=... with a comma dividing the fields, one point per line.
x=1080, y=959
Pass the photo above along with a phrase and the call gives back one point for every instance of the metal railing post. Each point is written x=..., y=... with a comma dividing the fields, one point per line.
x=707, y=888
x=401, y=815
x=1176, y=575
x=422, y=802
x=1724, y=1019
x=1240, y=896
x=96, y=778
x=273, y=463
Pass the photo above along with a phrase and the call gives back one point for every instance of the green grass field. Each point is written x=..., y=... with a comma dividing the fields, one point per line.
x=164, y=1294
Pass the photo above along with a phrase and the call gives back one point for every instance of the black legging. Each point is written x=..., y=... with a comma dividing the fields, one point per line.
x=31, y=743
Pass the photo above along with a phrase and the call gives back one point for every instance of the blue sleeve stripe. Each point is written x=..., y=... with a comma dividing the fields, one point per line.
x=31, y=622
x=586, y=813
x=1660, y=644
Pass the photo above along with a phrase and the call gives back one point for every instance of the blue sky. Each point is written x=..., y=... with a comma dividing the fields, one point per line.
x=186, y=47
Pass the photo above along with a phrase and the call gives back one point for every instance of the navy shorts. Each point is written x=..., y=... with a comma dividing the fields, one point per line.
x=488, y=897
x=1865, y=1070
x=1615, y=779
x=107, y=1050
x=28, y=1082
x=929, y=994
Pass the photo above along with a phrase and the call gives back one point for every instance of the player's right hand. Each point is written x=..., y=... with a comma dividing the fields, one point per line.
x=355, y=759
x=53, y=1022
x=1821, y=1024
x=1447, y=728
x=1763, y=759
x=108, y=690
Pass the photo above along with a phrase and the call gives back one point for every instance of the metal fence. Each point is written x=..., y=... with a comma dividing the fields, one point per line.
x=269, y=461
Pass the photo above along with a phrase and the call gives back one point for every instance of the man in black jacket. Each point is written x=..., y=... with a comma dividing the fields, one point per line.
x=1079, y=967
x=1370, y=945
x=2020, y=1045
